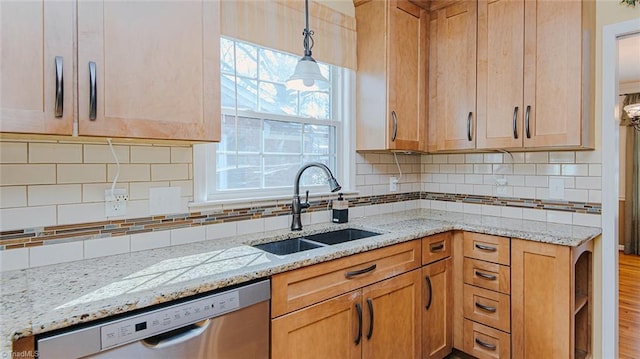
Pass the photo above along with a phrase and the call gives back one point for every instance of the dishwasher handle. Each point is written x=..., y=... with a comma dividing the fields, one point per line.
x=176, y=336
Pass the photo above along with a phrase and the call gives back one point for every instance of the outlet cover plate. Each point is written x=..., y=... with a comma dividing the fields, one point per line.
x=115, y=202
x=165, y=200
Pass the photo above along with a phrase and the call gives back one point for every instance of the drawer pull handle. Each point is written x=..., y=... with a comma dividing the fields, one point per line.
x=370, y=304
x=486, y=248
x=486, y=345
x=59, y=102
x=486, y=276
x=358, y=272
x=469, y=138
x=526, y=121
x=486, y=307
x=437, y=247
x=359, y=311
x=430, y=292
x=515, y=123
x=395, y=126
x=93, y=92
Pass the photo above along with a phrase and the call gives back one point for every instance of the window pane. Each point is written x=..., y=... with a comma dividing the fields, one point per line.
x=282, y=137
x=246, y=60
x=228, y=134
x=314, y=175
x=228, y=91
x=226, y=56
x=280, y=170
x=247, y=94
x=276, y=66
x=238, y=172
x=315, y=105
x=277, y=99
x=249, y=134
x=325, y=71
x=317, y=139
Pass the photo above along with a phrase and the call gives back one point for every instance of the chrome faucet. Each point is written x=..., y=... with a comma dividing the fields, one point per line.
x=296, y=206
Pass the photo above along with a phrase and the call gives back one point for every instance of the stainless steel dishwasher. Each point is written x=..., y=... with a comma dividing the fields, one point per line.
x=232, y=324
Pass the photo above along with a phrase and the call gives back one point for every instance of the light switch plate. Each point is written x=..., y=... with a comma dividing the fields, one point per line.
x=165, y=200
x=556, y=188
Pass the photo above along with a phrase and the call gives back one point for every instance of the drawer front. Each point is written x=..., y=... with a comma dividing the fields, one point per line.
x=485, y=343
x=436, y=247
x=487, y=275
x=487, y=248
x=309, y=285
x=487, y=307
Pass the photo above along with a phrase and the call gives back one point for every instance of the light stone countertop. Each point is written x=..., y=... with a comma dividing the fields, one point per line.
x=37, y=300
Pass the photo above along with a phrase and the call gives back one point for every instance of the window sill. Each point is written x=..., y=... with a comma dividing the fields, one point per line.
x=256, y=201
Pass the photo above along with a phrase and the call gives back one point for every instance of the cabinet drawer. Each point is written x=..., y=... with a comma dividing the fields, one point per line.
x=305, y=286
x=436, y=247
x=487, y=307
x=487, y=275
x=485, y=343
x=487, y=248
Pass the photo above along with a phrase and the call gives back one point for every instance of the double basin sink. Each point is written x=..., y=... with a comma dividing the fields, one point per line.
x=299, y=244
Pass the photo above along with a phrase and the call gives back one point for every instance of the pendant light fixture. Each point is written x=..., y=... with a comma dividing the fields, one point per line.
x=307, y=76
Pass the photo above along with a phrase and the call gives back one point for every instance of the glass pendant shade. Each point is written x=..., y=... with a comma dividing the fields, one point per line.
x=307, y=76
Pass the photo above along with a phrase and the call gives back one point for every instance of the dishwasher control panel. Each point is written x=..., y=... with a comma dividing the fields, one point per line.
x=166, y=319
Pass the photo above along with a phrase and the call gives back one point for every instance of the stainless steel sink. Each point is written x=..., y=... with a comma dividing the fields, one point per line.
x=299, y=244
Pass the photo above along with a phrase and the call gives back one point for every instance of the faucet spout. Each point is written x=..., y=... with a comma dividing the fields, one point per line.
x=296, y=205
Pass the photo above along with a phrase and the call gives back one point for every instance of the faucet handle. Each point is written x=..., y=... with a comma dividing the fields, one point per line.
x=306, y=201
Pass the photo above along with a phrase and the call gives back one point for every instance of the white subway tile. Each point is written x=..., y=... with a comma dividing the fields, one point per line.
x=536, y=181
x=482, y=169
x=455, y=158
x=253, y=226
x=473, y=158
x=515, y=180
x=575, y=170
x=364, y=168
x=140, y=208
x=472, y=208
x=15, y=174
x=482, y=190
x=488, y=210
x=576, y=195
x=439, y=158
x=425, y=204
x=439, y=205
x=56, y=253
x=411, y=204
x=186, y=187
x=170, y=172
x=94, y=192
x=464, y=189
x=13, y=152
x=181, y=154
x=493, y=158
x=588, y=157
x=536, y=157
x=424, y=159
x=595, y=170
x=13, y=196
x=562, y=157
x=277, y=222
x=27, y=217
x=80, y=213
x=356, y=212
x=455, y=207
x=446, y=168
x=559, y=217
x=431, y=168
x=372, y=157
x=503, y=169
x=140, y=190
x=595, y=196
x=102, y=247
x=320, y=217
x=490, y=179
x=373, y=210
x=431, y=187
x=524, y=169
x=130, y=172
x=588, y=182
x=81, y=173
x=473, y=179
x=440, y=178
x=386, y=208
x=517, y=157
x=188, y=235
x=546, y=169
x=542, y=193
x=365, y=190
x=507, y=192
x=221, y=230
x=150, y=154
x=467, y=168
x=102, y=154
x=371, y=180
x=511, y=212
x=589, y=220
x=399, y=206
x=150, y=240
x=455, y=178
x=524, y=192
x=360, y=180
x=54, y=194
x=55, y=153
x=387, y=158
x=534, y=214
x=448, y=188
x=14, y=259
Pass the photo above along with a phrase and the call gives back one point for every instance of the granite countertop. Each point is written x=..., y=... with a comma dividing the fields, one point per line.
x=42, y=299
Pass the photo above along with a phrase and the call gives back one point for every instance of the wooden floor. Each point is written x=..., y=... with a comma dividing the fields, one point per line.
x=629, y=306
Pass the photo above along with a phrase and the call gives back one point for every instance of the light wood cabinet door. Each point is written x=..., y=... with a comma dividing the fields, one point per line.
x=328, y=329
x=36, y=88
x=500, y=73
x=156, y=69
x=456, y=76
x=437, y=309
x=394, y=306
x=541, y=295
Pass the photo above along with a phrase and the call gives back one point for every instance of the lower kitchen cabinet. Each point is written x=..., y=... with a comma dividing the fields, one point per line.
x=437, y=310
x=381, y=320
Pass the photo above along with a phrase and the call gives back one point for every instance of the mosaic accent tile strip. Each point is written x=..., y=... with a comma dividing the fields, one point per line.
x=32, y=237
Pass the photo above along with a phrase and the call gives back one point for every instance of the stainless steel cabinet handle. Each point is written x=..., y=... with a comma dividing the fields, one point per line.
x=486, y=308
x=515, y=122
x=93, y=92
x=469, y=126
x=526, y=121
x=486, y=248
x=178, y=336
x=359, y=310
x=395, y=126
x=430, y=292
x=436, y=247
x=358, y=272
x=485, y=275
x=370, y=305
x=59, y=105
x=486, y=345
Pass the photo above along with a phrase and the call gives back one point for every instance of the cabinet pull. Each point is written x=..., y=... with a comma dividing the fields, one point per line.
x=469, y=126
x=59, y=105
x=359, y=311
x=430, y=292
x=515, y=123
x=436, y=247
x=486, y=345
x=358, y=272
x=486, y=248
x=395, y=126
x=485, y=275
x=370, y=305
x=93, y=91
x=526, y=121
x=486, y=308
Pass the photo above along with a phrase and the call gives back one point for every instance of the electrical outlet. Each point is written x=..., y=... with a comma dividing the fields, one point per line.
x=115, y=202
x=393, y=184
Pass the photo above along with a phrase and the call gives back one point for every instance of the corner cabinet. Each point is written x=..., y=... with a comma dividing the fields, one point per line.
x=391, y=81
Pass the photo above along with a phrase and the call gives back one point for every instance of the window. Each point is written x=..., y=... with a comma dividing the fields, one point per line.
x=269, y=131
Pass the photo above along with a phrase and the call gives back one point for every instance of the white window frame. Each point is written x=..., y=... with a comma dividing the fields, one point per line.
x=343, y=95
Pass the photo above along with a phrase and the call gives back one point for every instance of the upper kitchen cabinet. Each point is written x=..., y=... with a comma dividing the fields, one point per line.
x=454, y=74
x=391, y=89
x=36, y=67
x=149, y=69
x=535, y=74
